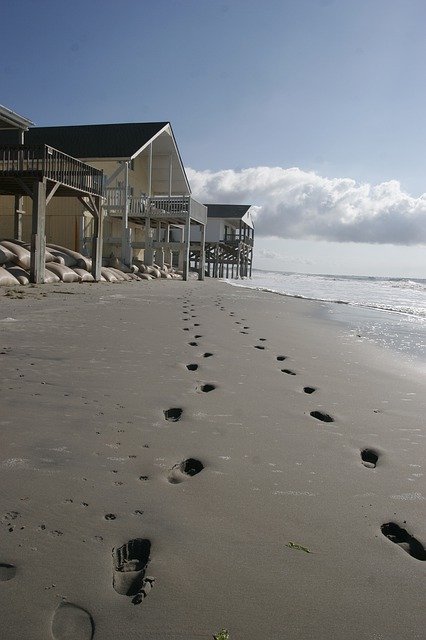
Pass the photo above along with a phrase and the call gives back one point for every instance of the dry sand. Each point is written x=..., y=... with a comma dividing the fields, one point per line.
x=89, y=464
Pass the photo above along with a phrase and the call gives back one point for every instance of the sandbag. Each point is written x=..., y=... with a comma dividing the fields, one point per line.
x=153, y=271
x=84, y=276
x=50, y=277
x=80, y=261
x=145, y=276
x=22, y=276
x=21, y=255
x=6, y=255
x=7, y=279
x=64, y=273
x=48, y=257
x=108, y=275
x=62, y=258
x=120, y=276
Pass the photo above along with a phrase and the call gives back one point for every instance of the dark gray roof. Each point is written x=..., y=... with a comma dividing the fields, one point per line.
x=227, y=210
x=91, y=140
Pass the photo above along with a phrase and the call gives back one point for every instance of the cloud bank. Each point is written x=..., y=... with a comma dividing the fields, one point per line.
x=291, y=203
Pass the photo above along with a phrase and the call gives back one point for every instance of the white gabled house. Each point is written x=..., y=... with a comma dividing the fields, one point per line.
x=146, y=193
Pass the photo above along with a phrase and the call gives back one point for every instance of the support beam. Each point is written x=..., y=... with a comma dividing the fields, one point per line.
x=125, y=236
x=202, y=264
x=186, y=248
x=17, y=218
x=150, y=172
x=38, y=237
x=148, y=257
x=98, y=224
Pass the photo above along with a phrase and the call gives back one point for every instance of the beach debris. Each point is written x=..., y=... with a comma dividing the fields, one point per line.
x=222, y=635
x=297, y=547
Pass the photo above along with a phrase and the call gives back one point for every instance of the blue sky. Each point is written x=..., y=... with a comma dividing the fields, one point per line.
x=335, y=88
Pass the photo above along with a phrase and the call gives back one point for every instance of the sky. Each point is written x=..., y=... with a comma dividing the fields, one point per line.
x=313, y=111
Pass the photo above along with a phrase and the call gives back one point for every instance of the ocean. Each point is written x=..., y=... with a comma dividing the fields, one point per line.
x=390, y=312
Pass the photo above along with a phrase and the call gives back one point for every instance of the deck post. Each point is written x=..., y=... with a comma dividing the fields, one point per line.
x=202, y=263
x=238, y=261
x=125, y=238
x=17, y=222
x=148, y=257
x=186, y=247
x=98, y=221
x=38, y=237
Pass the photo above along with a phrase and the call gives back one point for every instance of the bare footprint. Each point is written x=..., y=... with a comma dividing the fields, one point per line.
x=173, y=415
x=129, y=563
x=185, y=470
x=70, y=622
x=403, y=539
x=323, y=417
x=369, y=458
x=7, y=572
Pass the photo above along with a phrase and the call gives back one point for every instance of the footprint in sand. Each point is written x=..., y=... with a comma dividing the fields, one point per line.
x=185, y=470
x=7, y=572
x=206, y=388
x=309, y=390
x=259, y=346
x=207, y=355
x=193, y=344
x=403, y=539
x=129, y=564
x=281, y=358
x=70, y=622
x=192, y=367
x=173, y=415
x=324, y=417
x=288, y=372
x=369, y=458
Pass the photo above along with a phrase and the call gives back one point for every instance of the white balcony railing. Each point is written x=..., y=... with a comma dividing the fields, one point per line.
x=163, y=206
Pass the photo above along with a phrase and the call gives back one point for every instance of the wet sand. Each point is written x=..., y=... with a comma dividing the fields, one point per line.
x=177, y=458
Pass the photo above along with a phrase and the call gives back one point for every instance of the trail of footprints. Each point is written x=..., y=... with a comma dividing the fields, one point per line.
x=369, y=458
x=130, y=560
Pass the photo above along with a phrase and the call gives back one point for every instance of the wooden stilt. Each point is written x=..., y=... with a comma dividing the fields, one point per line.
x=202, y=262
x=38, y=238
x=186, y=248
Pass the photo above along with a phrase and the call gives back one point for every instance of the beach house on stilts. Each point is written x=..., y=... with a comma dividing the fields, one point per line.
x=34, y=174
x=229, y=241
x=147, y=194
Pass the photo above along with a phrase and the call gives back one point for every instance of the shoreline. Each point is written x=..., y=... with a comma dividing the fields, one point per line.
x=356, y=317
x=279, y=529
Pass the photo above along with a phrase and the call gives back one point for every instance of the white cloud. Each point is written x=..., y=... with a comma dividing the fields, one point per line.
x=291, y=203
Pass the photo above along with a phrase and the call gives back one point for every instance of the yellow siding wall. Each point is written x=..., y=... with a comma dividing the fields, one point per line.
x=63, y=215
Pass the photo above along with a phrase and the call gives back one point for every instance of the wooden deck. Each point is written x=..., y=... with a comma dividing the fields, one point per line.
x=21, y=165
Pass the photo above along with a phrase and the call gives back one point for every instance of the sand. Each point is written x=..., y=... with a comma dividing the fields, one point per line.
x=237, y=509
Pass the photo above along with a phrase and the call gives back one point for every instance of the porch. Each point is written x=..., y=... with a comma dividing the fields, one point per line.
x=163, y=219
x=41, y=172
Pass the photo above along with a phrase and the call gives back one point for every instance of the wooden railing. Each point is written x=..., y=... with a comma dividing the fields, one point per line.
x=178, y=205
x=233, y=241
x=142, y=206
x=47, y=162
